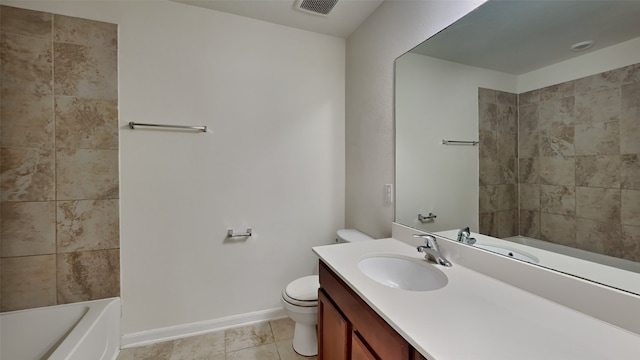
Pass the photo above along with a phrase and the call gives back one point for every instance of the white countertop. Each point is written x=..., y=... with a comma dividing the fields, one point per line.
x=475, y=317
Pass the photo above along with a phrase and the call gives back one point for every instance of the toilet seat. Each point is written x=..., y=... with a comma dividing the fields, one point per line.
x=303, y=291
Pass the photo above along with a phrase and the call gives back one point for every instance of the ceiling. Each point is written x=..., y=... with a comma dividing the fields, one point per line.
x=345, y=17
x=517, y=37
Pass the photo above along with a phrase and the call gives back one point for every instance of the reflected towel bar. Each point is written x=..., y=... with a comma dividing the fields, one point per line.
x=458, y=142
x=230, y=234
x=133, y=125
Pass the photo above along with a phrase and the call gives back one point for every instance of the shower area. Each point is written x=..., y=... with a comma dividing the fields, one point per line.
x=562, y=163
x=59, y=184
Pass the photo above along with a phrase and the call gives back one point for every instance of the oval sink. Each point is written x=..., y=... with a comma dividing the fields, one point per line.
x=403, y=273
x=508, y=252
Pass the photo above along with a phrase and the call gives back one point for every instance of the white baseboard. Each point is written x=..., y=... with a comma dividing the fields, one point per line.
x=179, y=331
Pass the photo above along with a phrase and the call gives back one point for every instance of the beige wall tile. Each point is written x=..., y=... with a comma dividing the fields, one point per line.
x=28, y=282
x=488, y=144
x=598, y=204
x=598, y=171
x=507, y=223
x=87, y=225
x=507, y=144
x=507, y=170
x=529, y=170
x=559, y=170
x=598, y=139
x=557, y=139
x=630, y=96
x=528, y=144
x=557, y=111
x=86, y=174
x=631, y=74
x=528, y=117
x=598, y=106
x=489, y=224
x=199, y=347
x=507, y=197
x=489, y=171
x=605, y=80
x=556, y=199
x=507, y=99
x=26, y=174
x=630, y=131
x=263, y=352
x=27, y=228
x=558, y=91
x=631, y=243
x=282, y=328
x=558, y=229
x=487, y=96
x=529, y=197
x=27, y=120
x=79, y=31
x=248, y=336
x=488, y=117
x=88, y=275
x=507, y=118
x=630, y=211
x=87, y=72
x=529, y=97
x=25, y=22
x=26, y=64
x=86, y=123
x=530, y=223
x=630, y=171
x=488, y=198
x=599, y=237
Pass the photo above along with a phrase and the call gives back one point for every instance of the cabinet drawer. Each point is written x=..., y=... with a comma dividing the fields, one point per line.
x=384, y=342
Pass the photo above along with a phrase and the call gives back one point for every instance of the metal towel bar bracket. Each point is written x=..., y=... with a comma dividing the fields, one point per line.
x=460, y=142
x=429, y=217
x=133, y=125
x=230, y=233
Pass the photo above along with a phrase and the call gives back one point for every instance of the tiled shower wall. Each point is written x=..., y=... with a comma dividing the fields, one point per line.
x=59, y=213
x=578, y=164
x=498, y=163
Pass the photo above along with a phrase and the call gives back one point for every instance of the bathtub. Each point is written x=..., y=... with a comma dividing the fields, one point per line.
x=87, y=330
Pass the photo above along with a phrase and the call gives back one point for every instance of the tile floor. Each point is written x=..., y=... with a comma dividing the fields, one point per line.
x=263, y=341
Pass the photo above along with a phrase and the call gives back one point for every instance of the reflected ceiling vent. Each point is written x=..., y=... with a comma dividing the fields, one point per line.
x=317, y=7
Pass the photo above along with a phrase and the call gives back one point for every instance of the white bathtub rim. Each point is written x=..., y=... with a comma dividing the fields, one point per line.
x=153, y=336
x=97, y=309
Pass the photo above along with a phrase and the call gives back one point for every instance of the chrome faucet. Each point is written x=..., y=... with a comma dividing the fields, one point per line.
x=431, y=249
x=464, y=236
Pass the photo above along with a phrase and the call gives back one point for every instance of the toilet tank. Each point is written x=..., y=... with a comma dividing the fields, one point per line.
x=351, y=235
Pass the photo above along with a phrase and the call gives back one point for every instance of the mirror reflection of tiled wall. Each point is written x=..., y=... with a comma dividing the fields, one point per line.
x=59, y=189
x=579, y=163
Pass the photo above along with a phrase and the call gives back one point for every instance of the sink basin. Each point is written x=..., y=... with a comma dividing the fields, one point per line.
x=403, y=273
x=508, y=252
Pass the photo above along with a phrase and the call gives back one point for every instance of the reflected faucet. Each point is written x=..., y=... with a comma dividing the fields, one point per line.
x=431, y=249
x=464, y=236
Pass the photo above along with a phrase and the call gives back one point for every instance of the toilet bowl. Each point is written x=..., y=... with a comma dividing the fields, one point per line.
x=300, y=302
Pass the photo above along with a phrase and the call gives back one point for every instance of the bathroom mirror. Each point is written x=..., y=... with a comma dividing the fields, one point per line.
x=550, y=91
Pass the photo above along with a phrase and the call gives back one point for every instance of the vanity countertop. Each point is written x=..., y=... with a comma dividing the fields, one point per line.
x=478, y=317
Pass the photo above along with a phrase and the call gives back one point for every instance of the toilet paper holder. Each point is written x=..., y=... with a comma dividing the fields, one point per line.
x=230, y=233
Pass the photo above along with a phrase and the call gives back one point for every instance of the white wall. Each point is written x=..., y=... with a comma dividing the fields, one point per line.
x=274, y=98
x=394, y=28
x=609, y=58
x=438, y=100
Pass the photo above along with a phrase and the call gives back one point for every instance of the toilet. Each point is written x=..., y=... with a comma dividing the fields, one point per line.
x=300, y=302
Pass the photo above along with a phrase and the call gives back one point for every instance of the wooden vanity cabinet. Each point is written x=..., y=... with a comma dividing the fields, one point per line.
x=348, y=329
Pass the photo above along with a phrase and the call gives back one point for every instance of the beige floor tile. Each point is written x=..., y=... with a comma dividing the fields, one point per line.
x=282, y=328
x=159, y=351
x=248, y=336
x=263, y=352
x=200, y=347
x=285, y=349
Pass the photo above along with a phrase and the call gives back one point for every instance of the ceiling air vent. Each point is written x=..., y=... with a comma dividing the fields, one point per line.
x=318, y=7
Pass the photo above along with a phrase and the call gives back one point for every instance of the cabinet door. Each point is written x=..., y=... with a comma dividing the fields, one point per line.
x=333, y=331
x=359, y=350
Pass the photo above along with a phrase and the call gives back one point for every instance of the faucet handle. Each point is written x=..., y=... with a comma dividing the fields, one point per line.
x=429, y=240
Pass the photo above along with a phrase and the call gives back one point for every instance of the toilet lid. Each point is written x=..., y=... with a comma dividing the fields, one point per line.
x=303, y=289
